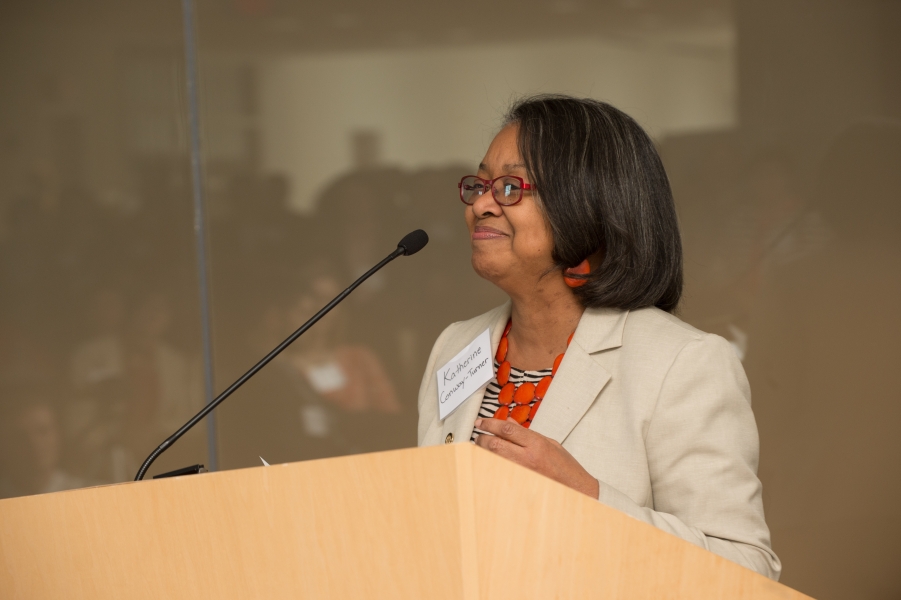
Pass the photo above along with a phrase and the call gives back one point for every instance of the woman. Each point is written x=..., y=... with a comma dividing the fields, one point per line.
x=597, y=385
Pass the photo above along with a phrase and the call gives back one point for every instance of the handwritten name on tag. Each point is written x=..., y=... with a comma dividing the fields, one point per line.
x=464, y=374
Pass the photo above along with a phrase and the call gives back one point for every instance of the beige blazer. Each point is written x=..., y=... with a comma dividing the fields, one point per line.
x=657, y=411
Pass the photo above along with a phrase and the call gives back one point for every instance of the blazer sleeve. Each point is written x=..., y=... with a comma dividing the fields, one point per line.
x=428, y=387
x=702, y=447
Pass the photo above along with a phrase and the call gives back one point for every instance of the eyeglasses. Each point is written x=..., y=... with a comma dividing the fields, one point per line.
x=506, y=190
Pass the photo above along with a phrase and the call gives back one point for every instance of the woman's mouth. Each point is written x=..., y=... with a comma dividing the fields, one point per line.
x=483, y=232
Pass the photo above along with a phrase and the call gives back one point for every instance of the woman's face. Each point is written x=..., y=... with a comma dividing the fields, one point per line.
x=511, y=245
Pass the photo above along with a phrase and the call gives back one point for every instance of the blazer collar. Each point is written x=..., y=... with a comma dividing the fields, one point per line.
x=600, y=329
x=580, y=377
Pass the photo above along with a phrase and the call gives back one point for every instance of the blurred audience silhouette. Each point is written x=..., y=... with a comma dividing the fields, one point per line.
x=31, y=444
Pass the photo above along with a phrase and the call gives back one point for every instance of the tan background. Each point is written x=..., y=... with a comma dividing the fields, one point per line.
x=331, y=129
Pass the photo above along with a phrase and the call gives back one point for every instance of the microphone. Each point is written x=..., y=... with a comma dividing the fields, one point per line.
x=412, y=243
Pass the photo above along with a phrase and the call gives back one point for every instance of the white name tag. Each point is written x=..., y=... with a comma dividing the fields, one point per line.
x=469, y=370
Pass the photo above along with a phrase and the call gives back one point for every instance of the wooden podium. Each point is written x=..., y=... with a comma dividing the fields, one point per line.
x=444, y=522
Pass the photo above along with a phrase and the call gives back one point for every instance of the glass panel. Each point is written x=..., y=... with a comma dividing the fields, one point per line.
x=320, y=155
x=332, y=130
x=99, y=334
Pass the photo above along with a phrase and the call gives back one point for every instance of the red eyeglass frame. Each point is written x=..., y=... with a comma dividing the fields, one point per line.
x=490, y=183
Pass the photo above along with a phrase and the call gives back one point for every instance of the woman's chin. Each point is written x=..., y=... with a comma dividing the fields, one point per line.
x=489, y=267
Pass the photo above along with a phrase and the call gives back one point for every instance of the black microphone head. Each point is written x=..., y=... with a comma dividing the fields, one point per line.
x=413, y=242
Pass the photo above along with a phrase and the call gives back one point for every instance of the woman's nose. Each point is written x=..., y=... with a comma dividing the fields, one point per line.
x=486, y=206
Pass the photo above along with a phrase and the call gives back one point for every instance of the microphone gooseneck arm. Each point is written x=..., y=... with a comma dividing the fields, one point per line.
x=402, y=249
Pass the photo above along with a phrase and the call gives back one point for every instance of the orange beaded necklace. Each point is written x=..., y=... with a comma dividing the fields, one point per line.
x=522, y=395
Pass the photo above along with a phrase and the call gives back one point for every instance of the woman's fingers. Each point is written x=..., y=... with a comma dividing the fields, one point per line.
x=534, y=451
x=501, y=447
x=508, y=430
x=510, y=440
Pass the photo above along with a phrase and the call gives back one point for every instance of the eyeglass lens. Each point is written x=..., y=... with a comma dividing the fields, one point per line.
x=506, y=190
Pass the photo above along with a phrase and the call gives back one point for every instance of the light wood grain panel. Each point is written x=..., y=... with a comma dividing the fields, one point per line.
x=444, y=522
x=539, y=539
x=378, y=525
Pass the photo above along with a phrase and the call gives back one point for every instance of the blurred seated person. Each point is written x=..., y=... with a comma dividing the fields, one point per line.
x=30, y=446
x=324, y=396
x=348, y=375
x=133, y=386
x=99, y=357
x=353, y=395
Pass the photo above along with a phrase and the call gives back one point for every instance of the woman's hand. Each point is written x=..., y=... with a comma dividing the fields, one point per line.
x=533, y=450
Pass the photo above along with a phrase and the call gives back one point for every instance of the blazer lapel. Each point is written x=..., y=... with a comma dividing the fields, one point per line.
x=462, y=421
x=580, y=378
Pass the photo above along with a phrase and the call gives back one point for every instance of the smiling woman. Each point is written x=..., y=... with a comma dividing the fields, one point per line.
x=571, y=215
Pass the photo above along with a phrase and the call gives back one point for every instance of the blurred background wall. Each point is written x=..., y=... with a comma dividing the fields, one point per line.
x=331, y=129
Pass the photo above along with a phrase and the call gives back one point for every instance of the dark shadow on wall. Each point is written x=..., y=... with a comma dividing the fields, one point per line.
x=800, y=273
x=823, y=358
